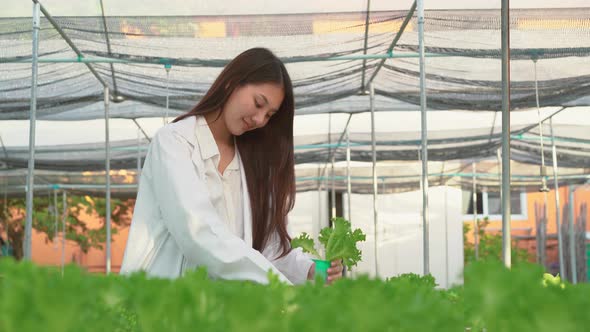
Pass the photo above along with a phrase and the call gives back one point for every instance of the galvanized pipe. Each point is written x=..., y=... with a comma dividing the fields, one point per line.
x=506, y=227
x=375, y=189
x=424, y=131
x=30, y=188
x=557, y=203
x=108, y=180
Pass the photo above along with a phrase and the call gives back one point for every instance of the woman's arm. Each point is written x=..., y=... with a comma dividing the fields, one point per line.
x=191, y=218
x=297, y=266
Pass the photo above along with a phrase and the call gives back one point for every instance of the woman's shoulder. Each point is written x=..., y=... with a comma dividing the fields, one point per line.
x=184, y=129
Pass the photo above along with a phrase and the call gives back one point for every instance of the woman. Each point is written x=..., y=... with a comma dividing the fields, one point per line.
x=218, y=183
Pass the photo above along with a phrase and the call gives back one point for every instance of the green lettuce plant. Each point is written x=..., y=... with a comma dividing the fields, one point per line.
x=339, y=242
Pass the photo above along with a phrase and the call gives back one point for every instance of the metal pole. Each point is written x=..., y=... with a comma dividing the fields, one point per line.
x=333, y=193
x=331, y=154
x=448, y=282
x=317, y=226
x=27, y=244
x=348, y=179
x=557, y=204
x=67, y=39
x=499, y=159
x=506, y=229
x=55, y=244
x=63, y=230
x=394, y=42
x=475, y=225
x=108, y=181
x=142, y=131
x=424, y=131
x=5, y=210
x=374, y=152
x=543, y=171
x=348, y=185
x=572, y=235
x=221, y=62
x=363, y=88
x=138, y=155
x=330, y=151
x=109, y=49
x=167, y=67
x=543, y=247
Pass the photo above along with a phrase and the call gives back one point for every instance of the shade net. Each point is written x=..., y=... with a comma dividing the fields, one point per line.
x=550, y=49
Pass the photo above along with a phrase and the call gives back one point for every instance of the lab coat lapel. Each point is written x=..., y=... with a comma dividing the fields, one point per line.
x=246, y=206
x=187, y=129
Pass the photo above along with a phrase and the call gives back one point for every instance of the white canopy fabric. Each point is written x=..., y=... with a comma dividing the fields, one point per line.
x=550, y=47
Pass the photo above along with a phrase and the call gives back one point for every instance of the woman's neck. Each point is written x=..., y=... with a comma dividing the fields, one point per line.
x=218, y=128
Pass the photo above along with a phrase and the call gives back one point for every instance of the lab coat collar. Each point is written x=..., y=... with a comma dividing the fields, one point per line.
x=187, y=128
x=205, y=139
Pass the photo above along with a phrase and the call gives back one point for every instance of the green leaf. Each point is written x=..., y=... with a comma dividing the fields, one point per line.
x=306, y=243
x=340, y=242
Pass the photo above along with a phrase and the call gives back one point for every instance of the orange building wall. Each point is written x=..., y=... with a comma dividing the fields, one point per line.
x=44, y=253
x=528, y=226
x=95, y=260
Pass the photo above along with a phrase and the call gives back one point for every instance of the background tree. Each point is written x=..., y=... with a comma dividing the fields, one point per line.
x=490, y=245
x=77, y=230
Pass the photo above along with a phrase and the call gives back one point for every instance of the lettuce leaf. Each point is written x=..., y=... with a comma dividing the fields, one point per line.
x=306, y=243
x=340, y=242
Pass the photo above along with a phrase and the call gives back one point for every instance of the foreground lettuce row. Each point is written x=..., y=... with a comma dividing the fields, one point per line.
x=39, y=299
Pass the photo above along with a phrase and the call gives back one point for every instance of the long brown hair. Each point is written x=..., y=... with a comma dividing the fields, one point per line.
x=267, y=152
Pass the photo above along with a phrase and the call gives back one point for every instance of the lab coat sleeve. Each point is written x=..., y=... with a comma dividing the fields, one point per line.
x=191, y=218
x=295, y=265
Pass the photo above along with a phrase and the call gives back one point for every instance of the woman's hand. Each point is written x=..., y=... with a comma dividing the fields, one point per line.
x=335, y=271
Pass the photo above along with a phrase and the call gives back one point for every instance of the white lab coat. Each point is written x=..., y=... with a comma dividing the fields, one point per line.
x=176, y=228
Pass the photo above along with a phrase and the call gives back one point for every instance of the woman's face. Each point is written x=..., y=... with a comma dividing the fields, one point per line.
x=251, y=106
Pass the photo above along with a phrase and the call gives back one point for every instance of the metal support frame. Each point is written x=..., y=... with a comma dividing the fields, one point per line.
x=557, y=203
x=37, y=7
x=55, y=230
x=63, y=230
x=424, y=132
x=142, y=131
x=506, y=227
x=108, y=180
x=475, y=225
x=543, y=174
x=27, y=243
x=167, y=67
x=331, y=151
x=109, y=50
x=332, y=194
x=138, y=155
x=348, y=179
x=572, y=237
x=447, y=277
x=365, y=46
x=375, y=189
x=333, y=189
x=220, y=63
x=70, y=43
x=394, y=42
